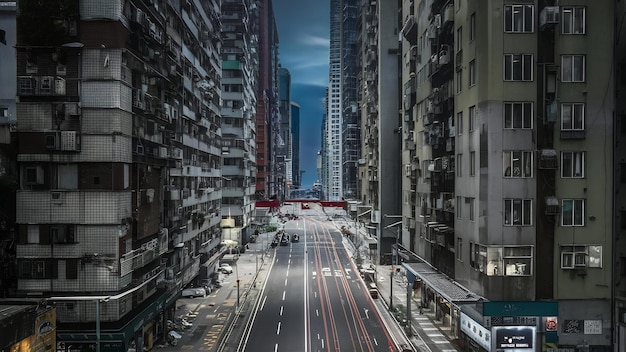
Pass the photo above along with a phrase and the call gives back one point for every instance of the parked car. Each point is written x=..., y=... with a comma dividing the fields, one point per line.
x=284, y=241
x=226, y=268
x=274, y=243
x=295, y=238
x=193, y=292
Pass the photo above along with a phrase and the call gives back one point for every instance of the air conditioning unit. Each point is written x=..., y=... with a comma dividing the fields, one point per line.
x=407, y=170
x=444, y=56
x=56, y=198
x=70, y=141
x=437, y=21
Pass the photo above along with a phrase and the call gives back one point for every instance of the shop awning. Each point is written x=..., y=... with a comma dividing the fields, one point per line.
x=445, y=287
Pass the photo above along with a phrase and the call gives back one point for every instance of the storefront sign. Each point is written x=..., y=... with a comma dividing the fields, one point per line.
x=593, y=327
x=475, y=331
x=551, y=324
x=517, y=338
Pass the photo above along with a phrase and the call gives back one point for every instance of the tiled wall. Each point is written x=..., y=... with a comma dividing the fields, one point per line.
x=74, y=207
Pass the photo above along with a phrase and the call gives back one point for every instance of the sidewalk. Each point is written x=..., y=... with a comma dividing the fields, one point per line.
x=219, y=316
x=427, y=332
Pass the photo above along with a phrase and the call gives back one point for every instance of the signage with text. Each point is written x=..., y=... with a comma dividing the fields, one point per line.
x=517, y=338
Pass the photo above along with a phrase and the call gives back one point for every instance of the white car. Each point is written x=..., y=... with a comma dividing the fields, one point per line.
x=226, y=269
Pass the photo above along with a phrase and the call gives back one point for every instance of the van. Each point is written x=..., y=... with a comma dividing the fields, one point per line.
x=373, y=290
x=194, y=292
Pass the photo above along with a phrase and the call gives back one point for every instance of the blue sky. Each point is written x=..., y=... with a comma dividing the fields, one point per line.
x=303, y=32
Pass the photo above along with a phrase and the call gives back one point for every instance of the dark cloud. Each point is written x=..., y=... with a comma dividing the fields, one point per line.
x=303, y=31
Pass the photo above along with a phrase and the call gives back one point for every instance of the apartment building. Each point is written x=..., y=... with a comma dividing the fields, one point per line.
x=8, y=150
x=284, y=151
x=119, y=150
x=509, y=170
x=267, y=114
x=295, y=145
x=239, y=87
x=333, y=179
x=350, y=131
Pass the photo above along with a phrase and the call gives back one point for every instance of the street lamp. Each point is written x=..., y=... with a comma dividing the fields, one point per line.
x=356, y=229
x=396, y=224
x=98, y=301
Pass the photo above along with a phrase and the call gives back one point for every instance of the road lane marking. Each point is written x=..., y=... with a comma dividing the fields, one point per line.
x=367, y=315
x=284, y=295
x=263, y=304
x=278, y=330
x=375, y=341
x=276, y=348
x=317, y=312
x=285, y=281
x=281, y=310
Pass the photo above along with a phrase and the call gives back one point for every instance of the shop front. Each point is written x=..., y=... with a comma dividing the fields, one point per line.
x=438, y=292
x=143, y=329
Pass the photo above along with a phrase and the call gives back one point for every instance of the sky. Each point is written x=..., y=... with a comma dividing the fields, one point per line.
x=303, y=32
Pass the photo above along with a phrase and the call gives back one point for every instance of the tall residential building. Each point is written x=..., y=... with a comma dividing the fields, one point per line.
x=350, y=114
x=295, y=145
x=284, y=150
x=267, y=115
x=239, y=88
x=333, y=179
x=380, y=123
x=119, y=150
x=510, y=213
x=8, y=148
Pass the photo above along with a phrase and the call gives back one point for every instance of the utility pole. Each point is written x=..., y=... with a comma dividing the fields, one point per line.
x=396, y=224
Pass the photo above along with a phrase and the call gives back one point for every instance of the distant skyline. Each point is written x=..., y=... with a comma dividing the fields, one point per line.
x=303, y=33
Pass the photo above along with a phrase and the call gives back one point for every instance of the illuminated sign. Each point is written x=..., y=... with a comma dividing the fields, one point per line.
x=515, y=337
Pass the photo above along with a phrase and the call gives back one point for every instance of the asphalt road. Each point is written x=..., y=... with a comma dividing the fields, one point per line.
x=314, y=299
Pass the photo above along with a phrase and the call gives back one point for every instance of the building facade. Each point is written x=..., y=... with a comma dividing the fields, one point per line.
x=119, y=150
x=295, y=145
x=510, y=169
x=239, y=138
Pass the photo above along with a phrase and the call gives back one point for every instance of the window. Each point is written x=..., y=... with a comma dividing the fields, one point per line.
x=459, y=123
x=459, y=249
x=4, y=111
x=33, y=234
x=517, y=164
x=472, y=33
x=518, y=115
x=71, y=269
x=472, y=118
x=458, y=209
x=459, y=40
x=34, y=269
x=581, y=256
x=459, y=80
x=572, y=116
x=478, y=257
x=573, y=213
x=471, y=202
x=517, y=212
x=572, y=164
x=472, y=166
x=518, y=67
x=573, y=20
x=518, y=261
x=509, y=261
x=519, y=18
x=472, y=73
x=459, y=164
x=572, y=68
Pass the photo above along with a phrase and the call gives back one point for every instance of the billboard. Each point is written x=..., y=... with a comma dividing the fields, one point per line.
x=514, y=338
